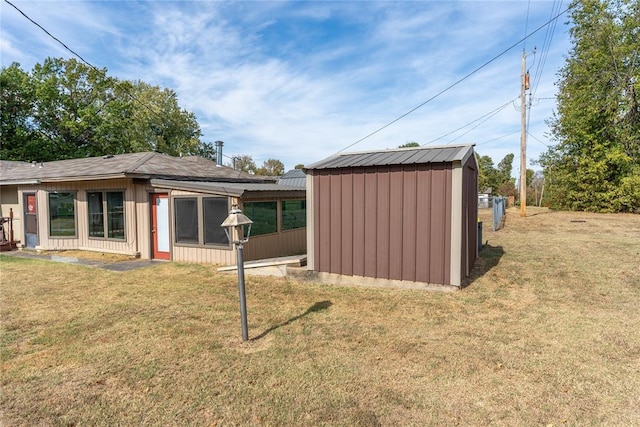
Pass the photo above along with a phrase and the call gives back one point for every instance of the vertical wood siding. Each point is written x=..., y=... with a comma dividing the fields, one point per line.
x=289, y=242
x=470, y=207
x=138, y=239
x=389, y=222
x=128, y=246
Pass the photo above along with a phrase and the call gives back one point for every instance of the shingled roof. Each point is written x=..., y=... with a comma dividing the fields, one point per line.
x=400, y=156
x=145, y=165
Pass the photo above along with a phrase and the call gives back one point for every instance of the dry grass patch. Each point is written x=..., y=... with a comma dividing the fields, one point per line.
x=546, y=333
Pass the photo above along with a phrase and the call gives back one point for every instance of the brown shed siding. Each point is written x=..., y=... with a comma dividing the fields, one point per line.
x=347, y=224
x=388, y=222
x=470, y=206
x=382, y=210
x=370, y=222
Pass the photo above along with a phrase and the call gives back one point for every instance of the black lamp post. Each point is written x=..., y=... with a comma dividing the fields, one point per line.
x=234, y=227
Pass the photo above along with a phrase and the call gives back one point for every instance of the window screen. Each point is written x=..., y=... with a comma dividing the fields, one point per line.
x=216, y=210
x=186, y=220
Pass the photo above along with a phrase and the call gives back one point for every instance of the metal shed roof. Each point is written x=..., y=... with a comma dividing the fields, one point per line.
x=400, y=156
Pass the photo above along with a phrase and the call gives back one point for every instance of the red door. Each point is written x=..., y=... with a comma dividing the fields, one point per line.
x=160, y=225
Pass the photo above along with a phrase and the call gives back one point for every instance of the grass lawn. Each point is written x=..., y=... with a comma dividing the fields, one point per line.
x=546, y=333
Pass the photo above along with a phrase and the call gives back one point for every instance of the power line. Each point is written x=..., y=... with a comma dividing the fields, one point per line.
x=526, y=25
x=50, y=35
x=456, y=82
x=115, y=81
x=500, y=137
x=488, y=116
x=537, y=139
x=545, y=47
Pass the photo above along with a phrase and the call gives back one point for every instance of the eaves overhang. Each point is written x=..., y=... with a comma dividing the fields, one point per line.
x=20, y=182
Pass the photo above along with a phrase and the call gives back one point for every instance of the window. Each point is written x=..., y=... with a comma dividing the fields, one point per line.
x=294, y=214
x=215, y=212
x=198, y=219
x=187, y=220
x=106, y=212
x=264, y=216
x=62, y=214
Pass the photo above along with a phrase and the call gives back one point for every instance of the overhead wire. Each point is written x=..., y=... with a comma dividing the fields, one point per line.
x=488, y=116
x=500, y=137
x=122, y=86
x=544, y=52
x=526, y=26
x=457, y=82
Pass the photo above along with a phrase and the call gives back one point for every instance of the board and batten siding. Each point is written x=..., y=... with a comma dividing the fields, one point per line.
x=81, y=241
x=387, y=222
x=470, y=222
x=289, y=242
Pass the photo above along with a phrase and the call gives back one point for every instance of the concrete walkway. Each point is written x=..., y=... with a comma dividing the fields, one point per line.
x=112, y=266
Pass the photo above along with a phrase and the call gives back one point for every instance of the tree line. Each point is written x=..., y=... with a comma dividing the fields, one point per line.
x=594, y=164
x=64, y=109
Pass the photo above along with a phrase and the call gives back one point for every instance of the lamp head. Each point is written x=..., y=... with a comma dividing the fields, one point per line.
x=238, y=221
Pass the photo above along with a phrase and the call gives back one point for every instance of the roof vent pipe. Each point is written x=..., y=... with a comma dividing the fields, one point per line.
x=219, y=145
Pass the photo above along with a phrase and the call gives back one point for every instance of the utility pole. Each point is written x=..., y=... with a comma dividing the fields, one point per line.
x=524, y=85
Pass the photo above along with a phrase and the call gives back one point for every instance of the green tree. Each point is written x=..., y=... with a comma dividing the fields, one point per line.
x=595, y=163
x=505, y=167
x=486, y=172
x=410, y=145
x=160, y=124
x=18, y=137
x=245, y=163
x=271, y=167
x=497, y=179
x=66, y=109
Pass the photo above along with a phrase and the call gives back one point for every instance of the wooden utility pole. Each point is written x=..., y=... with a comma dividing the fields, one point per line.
x=523, y=136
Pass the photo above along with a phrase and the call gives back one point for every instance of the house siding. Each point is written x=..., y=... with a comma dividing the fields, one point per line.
x=387, y=222
x=128, y=246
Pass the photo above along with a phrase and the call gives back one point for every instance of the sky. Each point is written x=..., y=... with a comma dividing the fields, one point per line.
x=299, y=81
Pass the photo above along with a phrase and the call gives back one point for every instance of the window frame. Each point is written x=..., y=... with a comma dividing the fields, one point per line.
x=74, y=195
x=282, y=211
x=106, y=215
x=252, y=217
x=201, y=224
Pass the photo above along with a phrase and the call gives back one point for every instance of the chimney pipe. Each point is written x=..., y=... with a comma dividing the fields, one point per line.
x=219, y=152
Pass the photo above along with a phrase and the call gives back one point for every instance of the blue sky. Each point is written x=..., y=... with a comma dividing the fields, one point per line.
x=299, y=81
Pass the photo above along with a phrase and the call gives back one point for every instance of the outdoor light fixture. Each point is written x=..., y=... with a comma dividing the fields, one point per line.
x=234, y=227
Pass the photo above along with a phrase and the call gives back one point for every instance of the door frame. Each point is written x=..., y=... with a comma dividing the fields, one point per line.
x=156, y=250
x=26, y=210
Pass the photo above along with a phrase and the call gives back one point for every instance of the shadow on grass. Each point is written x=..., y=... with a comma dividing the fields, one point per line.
x=488, y=258
x=319, y=306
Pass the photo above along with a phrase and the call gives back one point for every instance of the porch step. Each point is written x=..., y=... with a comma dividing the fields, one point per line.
x=293, y=261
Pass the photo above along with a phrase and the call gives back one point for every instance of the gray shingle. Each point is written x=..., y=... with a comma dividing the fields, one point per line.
x=134, y=165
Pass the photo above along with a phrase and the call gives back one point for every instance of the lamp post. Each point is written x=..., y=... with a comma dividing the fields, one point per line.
x=234, y=228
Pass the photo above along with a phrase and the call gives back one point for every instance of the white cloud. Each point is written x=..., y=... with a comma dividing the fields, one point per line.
x=299, y=81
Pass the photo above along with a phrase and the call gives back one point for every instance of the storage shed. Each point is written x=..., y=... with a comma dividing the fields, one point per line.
x=396, y=216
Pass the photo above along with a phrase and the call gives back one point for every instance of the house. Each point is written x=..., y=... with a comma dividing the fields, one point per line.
x=149, y=205
x=395, y=217
x=294, y=177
